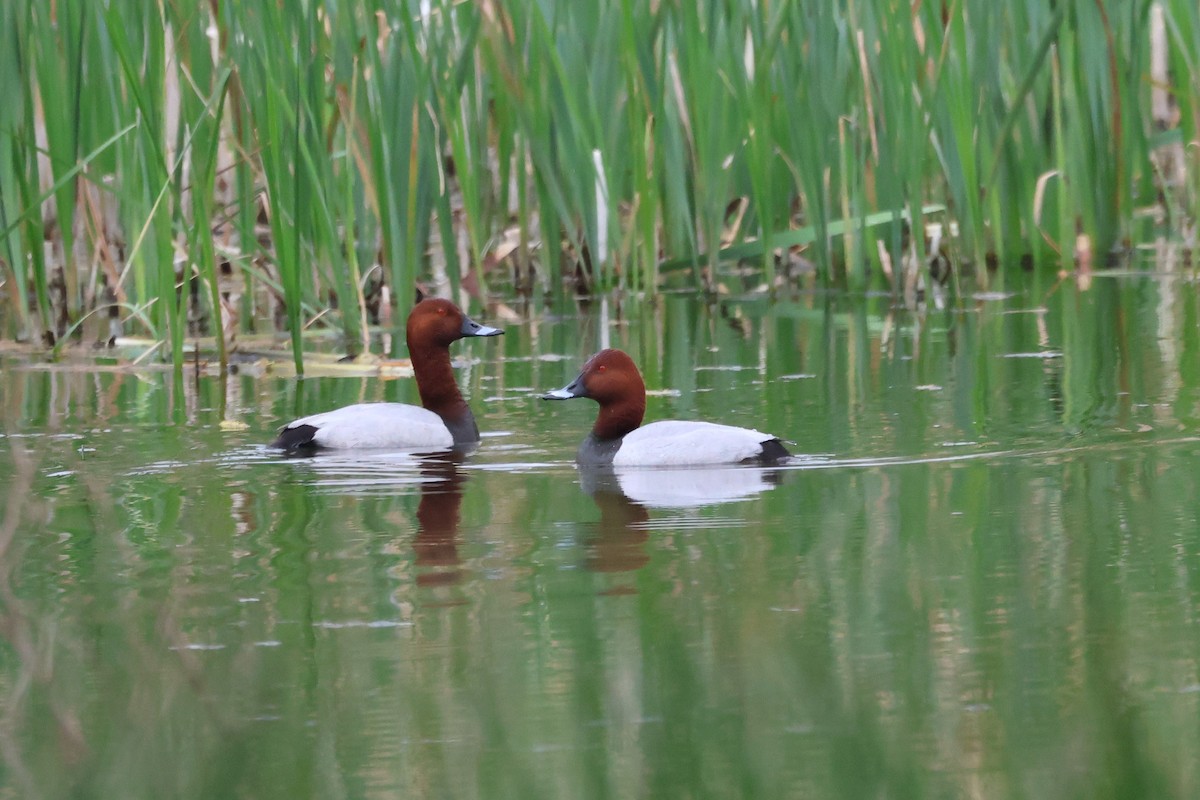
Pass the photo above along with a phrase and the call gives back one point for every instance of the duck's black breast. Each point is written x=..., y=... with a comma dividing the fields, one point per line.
x=598, y=452
x=463, y=428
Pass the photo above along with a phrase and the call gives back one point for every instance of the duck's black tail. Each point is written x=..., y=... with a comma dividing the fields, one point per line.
x=296, y=439
x=773, y=452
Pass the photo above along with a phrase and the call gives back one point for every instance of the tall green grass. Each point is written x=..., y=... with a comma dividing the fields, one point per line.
x=316, y=147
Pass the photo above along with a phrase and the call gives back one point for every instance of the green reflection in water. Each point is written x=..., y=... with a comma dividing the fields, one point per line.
x=979, y=580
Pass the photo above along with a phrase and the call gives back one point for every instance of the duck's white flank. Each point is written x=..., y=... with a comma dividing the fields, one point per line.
x=373, y=425
x=681, y=443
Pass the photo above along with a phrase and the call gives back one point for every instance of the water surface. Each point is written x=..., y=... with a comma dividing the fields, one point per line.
x=981, y=577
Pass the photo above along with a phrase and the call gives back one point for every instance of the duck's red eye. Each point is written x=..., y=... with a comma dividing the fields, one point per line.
x=442, y=310
x=601, y=368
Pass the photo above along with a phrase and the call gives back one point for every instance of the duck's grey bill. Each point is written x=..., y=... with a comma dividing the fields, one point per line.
x=571, y=390
x=472, y=328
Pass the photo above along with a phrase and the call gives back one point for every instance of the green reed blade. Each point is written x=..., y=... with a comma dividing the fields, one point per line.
x=34, y=208
x=1033, y=67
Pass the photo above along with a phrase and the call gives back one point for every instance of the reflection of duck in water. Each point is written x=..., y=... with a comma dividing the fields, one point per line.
x=438, y=477
x=624, y=497
x=619, y=542
x=436, y=544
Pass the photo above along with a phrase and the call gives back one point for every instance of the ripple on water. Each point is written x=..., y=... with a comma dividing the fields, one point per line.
x=368, y=472
x=1034, y=354
x=359, y=623
x=198, y=647
x=689, y=522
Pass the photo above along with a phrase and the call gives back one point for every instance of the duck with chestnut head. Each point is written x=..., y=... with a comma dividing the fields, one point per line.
x=618, y=438
x=443, y=420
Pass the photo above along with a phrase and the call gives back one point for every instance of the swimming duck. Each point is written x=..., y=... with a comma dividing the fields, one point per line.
x=612, y=379
x=444, y=422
